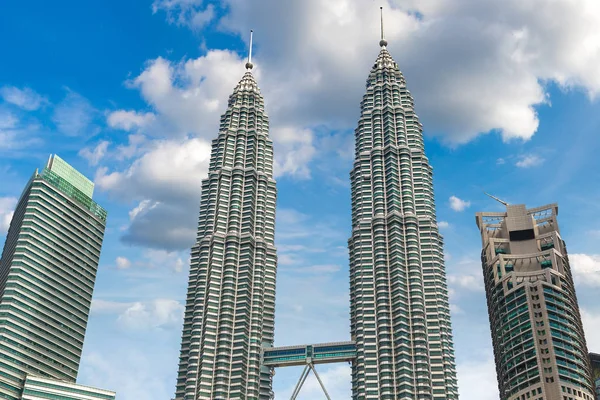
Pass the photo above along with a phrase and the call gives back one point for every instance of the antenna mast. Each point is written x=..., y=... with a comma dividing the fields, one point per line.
x=249, y=64
x=382, y=42
x=497, y=199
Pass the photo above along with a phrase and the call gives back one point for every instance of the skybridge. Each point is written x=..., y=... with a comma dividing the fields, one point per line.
x=309, y=356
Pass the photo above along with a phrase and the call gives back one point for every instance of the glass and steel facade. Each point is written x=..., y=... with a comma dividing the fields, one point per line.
x=71, y=175
x=538, y=338
x=38, y=388
x=400, y=315
x=47, y=274
x=230, y=307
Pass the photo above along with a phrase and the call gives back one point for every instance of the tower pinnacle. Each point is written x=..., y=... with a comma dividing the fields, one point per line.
x=249, y=64
x=382, y=42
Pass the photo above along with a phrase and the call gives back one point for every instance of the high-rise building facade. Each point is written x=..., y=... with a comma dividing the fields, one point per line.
x=230, y=306
x=47, y=275
x=595, y=364
x=400, y=314
x=538, y=338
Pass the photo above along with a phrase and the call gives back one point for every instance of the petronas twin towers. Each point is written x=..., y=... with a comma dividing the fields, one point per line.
x=401, y=337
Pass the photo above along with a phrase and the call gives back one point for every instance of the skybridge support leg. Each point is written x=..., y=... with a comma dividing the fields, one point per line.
x=301, y=381
x=320, y=382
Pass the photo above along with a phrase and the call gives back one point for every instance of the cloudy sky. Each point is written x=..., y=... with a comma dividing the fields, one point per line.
x=130, y=93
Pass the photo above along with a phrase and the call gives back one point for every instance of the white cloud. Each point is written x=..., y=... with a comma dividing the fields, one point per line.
x=464, y=276
x=100, y=306
x=189, y=97
x=74, y=115
x=8, y=121
x=7, y=207
x=455, y=309
x=165, y=259
x=25, y=98
x=500, y=161
x=122, y=263
x=166, y=180
x=477, y=380
x=132, y=372
x=189, y=13
x=135, y=146
x=159, y=313
x=144, y=205
x=172, y=169
x=14, y=134
x=496, y=56
x=586, y=269
x=140, y=315
x=466, y=282
x=443, y=224
x=530, y=160
x=288, y=216
x=294, y=150
x=95, y=155
x=459, y=205
x=591, y=326
x=129, y=120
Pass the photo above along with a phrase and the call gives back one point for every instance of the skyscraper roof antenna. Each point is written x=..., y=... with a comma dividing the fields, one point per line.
x=497, y=199
x=249, y=64
x=382, y=42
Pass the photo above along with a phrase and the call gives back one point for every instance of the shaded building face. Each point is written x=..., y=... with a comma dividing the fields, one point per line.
x=538, y=339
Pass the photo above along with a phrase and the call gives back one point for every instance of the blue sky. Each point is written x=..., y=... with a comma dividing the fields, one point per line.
x=130, y=93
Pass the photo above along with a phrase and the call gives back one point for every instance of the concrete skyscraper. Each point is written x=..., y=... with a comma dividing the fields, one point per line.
x=538, y=338
x=47, y=275
x=230, y=305
x=400, y=315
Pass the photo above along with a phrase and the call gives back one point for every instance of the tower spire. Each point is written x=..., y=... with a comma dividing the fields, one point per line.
x=249, y=64
x=382, y=42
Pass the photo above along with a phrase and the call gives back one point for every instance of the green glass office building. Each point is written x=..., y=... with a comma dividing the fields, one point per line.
x=47, y=274
x=539, y=344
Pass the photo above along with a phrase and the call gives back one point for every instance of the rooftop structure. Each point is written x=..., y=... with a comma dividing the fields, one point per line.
x=71, y=175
